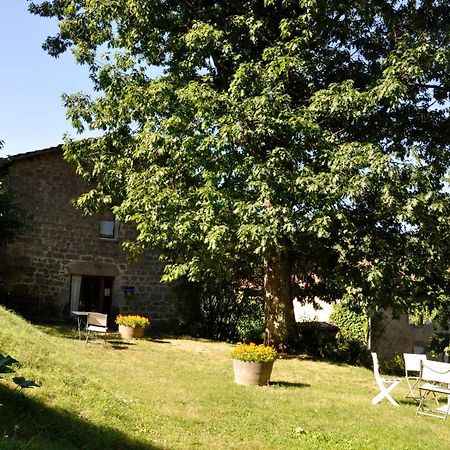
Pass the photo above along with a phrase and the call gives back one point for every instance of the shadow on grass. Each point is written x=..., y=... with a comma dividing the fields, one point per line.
x=27, y=423
x=159, y=341
x=60, y=330
x=70, y=331
x=288, y=384
x=306, y=357
x=119, y=344
x=299, y=356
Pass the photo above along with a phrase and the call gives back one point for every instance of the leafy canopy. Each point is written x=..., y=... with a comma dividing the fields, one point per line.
x=240, y=129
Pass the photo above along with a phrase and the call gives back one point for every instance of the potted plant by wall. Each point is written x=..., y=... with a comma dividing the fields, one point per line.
x=132, y=326
x=252, y=364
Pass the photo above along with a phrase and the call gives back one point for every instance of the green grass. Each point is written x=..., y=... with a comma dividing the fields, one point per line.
x=179, y=394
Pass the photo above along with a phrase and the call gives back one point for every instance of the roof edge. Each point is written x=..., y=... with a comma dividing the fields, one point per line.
x=10, y=159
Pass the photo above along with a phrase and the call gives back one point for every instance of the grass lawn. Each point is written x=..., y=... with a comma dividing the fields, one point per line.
x=179, y=394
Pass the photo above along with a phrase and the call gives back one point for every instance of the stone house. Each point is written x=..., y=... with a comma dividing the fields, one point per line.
x=398, y=335
x=391, y=335
x=66, y=261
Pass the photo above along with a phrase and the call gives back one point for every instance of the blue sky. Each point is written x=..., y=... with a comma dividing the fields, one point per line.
x=31, y=82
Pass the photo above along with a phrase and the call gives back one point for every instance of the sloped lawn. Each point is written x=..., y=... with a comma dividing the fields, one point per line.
x=179, y=394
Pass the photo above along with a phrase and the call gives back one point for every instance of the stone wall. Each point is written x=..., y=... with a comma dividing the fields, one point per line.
x=395, y=336
x=61, y=242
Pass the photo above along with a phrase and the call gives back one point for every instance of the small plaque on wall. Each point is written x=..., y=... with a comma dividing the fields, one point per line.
x=128, y=292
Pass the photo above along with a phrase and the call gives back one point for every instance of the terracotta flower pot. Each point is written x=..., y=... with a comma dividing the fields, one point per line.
x=252, y=373
x=130, y=332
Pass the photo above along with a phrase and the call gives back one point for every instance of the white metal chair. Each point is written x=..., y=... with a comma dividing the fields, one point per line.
x=386, y=385
x=412, y=372
x=436, y=378
x=96, y=323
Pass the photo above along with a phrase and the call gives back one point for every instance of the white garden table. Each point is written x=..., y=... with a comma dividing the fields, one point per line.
x=81, y=321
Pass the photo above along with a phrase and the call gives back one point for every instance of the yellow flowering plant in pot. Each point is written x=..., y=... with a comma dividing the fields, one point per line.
x=132, y=325
x=252, y=363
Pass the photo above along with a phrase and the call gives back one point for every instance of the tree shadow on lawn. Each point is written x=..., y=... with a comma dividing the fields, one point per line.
x=305, y=357
x=27, y=423
x=299, y=356
x=158, y=341
x=64, y=330
x=288, y=384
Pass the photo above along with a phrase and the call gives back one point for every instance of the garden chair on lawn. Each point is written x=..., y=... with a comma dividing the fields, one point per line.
x=96, y=323
x=435, y=376
x=412, y=372
x=386, y=385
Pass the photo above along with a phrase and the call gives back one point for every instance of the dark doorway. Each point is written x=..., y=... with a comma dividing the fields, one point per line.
x=96, y=294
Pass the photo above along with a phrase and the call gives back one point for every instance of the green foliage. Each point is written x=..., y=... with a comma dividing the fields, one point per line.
x=312, y=129
x=250, y=325
x=218, y=310
x=352, y=322
x=13, y=219
x=351, y=340
x=315, y=340
x=393, y=366
x=439, y=318
x=439, y=344
x=320, y=341
x=423, y=316
x=347, y=342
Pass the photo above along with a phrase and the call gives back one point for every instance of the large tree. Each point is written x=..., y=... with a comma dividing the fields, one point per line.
x=307, y=135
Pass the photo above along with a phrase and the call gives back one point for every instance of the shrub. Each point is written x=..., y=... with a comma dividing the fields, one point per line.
x=316, y=338
x=218, y=309
x=352, y=322
x=351, y=340
x=392, y=366
x=250, y=321
x=343, y=342
x=439, y=344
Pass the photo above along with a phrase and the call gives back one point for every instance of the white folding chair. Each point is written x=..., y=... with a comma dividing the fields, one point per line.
x=96, y=323
x=412, y=372
x=436, y=376
x=386, y=385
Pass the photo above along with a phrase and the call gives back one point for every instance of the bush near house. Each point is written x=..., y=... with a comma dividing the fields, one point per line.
x=351, y=345
x=317, y=339
x=345, y=342
x=219, y=309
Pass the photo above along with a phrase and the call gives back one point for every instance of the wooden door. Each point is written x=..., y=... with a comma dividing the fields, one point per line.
x=96, y=294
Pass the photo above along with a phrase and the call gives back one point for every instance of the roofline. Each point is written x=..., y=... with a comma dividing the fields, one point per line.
x=10, y=159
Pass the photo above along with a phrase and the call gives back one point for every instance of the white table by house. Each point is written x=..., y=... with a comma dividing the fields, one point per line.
x=81, y=321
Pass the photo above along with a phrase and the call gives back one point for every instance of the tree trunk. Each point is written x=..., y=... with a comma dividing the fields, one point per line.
x=278, y=306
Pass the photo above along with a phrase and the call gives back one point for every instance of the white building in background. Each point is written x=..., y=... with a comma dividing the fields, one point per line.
x=310, y=313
